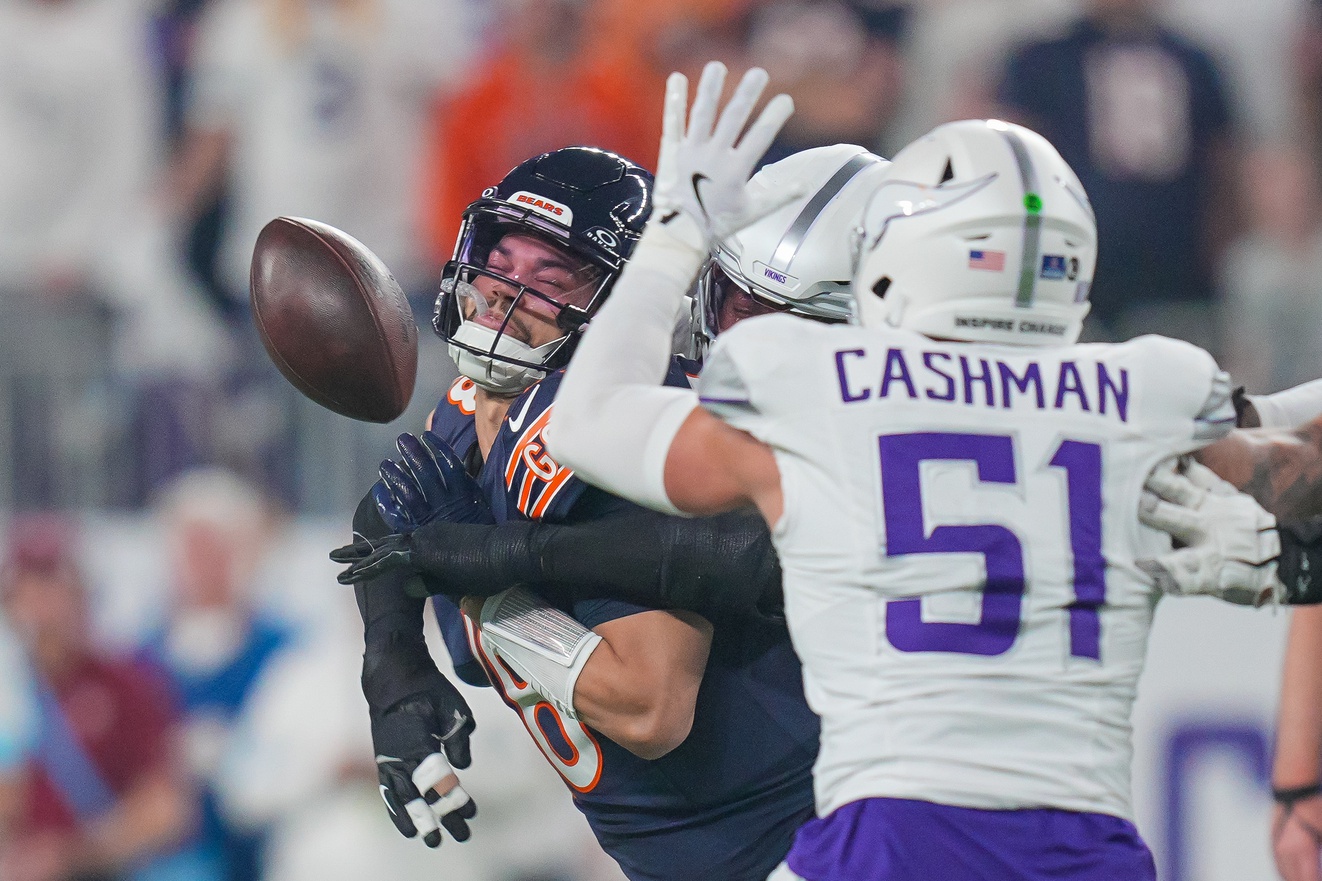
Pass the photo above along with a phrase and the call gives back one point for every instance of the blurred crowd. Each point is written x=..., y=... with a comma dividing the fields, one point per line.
x=143, y=145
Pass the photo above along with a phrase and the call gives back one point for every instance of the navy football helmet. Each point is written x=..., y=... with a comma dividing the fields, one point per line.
x=537, y=255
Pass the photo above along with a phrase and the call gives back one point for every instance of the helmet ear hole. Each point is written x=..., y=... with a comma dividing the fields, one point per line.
x=948, y=174
x=881, y=287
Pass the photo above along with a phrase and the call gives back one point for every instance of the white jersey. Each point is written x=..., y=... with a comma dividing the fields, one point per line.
x=959, y=545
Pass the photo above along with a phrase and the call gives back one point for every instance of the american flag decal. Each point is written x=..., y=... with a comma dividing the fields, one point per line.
x=992, y=261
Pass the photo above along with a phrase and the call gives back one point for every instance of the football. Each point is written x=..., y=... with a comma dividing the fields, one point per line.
x=333, y=319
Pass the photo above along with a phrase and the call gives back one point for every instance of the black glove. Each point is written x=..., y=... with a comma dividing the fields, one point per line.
x=427, y=483
x=371, y=558
x=417, y=743
x=420, y=722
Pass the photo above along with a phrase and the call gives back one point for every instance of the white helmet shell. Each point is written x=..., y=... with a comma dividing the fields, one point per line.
x=978, y=231
x=799, y=256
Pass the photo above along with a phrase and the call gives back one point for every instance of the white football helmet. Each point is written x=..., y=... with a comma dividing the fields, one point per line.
x=798, y=258
x=980, y=232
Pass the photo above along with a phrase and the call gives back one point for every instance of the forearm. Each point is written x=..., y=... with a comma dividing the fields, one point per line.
x=719, y=567
x=640, y=686
x=1281, y=469
x=1299, y=723
x=396, y=662
x=1290, y=408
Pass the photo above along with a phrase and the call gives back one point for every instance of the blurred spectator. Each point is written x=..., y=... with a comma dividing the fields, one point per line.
x=81, y=145
x=317, y=109
x=842, y=64
x=545, y=84
x=1272, y=311
x=213, y=645
x=1308, y=75
x=88, y=277
x=103, y=793
x=1142, y=115
x=80, y=138
x=18, y=723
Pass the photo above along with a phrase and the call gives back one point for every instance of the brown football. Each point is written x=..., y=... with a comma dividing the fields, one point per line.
x=333, y=319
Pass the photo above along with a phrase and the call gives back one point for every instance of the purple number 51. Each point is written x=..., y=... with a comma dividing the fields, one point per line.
x=901, y=458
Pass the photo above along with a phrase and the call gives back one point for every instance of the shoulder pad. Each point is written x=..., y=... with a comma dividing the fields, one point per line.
x=532, y=481
x=452, y=420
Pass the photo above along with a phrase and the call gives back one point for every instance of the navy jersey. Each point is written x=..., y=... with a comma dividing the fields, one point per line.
x=726, y=802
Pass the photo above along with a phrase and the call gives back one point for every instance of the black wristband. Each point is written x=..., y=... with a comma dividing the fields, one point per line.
x=1299, y=568
x=1246, y=415
x=475, y=559
x=1289, y=796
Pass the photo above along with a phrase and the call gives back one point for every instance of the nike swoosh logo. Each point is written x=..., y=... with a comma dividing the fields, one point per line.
x=699, y=177
x=516, y=422
x=385, y=797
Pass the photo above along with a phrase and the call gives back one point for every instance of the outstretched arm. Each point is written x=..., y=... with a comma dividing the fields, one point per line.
x=420, y=722
x=1281, y=469
x=613, y=423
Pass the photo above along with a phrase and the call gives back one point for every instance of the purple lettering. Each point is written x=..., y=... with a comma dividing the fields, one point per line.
x=896, y=369
x=1032, y=376
x=1120, y=393
x=845, y=394
x=985, y=377
x=949, y=394
x=1071, y=383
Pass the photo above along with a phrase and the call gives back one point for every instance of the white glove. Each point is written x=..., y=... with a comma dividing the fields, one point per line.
x=1231, y=543
x=702, y=191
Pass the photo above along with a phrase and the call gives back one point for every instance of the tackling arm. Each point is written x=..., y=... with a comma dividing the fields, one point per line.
x=1281, y=469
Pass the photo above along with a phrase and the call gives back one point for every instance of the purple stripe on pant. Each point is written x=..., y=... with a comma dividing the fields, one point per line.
x=889, y=839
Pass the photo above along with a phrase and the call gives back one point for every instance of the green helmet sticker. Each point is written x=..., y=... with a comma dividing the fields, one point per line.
x=1033, y=202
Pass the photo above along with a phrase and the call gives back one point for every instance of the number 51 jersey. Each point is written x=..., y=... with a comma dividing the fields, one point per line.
x=959, y=545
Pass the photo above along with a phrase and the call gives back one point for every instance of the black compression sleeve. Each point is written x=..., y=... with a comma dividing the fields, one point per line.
x=1300, y=565
x=396, y=663
x=474, y=559
x=720, y=567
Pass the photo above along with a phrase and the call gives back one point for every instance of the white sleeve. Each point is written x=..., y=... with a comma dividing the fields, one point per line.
x=613, y=421
x=1290, y=408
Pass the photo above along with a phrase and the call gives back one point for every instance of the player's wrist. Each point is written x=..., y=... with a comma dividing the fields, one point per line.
x=1300, y=562
x=397, y=666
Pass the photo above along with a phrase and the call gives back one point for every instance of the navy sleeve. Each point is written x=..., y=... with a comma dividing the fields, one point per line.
x=592, y=612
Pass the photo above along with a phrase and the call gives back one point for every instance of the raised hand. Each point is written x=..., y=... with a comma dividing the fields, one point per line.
x=702, y=188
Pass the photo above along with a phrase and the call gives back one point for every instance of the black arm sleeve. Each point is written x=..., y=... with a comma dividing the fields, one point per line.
x=719, y=567
x=1300, y=565
x=396, y=663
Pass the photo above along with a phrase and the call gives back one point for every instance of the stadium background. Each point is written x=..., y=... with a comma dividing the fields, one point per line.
x=138, y=136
